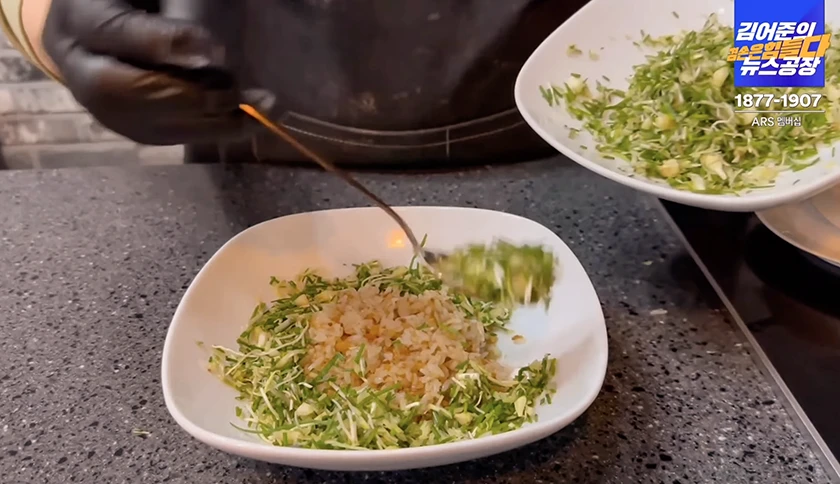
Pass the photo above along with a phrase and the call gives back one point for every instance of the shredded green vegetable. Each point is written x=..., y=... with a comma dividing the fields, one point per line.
x=502, y=272
x=285, y=405
x=676, y=120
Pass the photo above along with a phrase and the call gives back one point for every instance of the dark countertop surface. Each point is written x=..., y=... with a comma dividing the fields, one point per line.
x=94, y=261
x=785, y=298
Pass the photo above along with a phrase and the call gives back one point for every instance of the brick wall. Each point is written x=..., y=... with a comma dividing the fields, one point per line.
x=42, y=126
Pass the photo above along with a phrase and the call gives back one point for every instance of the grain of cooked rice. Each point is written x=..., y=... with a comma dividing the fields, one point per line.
x=383, y=359
x=417, y=341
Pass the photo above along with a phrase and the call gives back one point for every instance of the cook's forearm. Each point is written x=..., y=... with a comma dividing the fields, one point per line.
x=23, y=22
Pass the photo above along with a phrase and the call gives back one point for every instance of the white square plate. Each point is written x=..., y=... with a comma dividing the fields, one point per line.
x=613, y=25
x=216, y=307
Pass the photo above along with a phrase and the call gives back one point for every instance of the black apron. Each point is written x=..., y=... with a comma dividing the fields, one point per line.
x=383, y=82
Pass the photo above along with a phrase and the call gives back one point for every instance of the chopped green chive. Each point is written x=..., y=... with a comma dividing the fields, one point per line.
x=287, y=404
x=677, y=120
x=501, y=272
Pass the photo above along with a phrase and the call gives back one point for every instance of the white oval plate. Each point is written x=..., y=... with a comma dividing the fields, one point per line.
x=812, y=226
x=217, y=305
x=607, y=24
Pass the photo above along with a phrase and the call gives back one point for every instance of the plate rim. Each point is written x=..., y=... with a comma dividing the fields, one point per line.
x=728, y=203
x=377, y=460
x=765, y=217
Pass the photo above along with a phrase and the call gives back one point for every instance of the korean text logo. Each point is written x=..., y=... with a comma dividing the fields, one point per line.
x=779, y=43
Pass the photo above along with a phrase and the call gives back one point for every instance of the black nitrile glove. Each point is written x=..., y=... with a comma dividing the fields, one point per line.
x=152, y=79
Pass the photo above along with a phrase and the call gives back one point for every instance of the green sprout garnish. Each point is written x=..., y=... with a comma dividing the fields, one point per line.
x=286, y=405
x=502, y=272
x=676, y=121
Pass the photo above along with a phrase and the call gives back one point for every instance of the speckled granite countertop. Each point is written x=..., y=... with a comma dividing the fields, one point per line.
x=93, y=263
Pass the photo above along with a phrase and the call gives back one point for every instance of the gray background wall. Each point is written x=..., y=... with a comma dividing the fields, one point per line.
x=42, y=126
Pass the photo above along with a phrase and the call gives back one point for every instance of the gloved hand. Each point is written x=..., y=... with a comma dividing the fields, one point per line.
x=152, y=79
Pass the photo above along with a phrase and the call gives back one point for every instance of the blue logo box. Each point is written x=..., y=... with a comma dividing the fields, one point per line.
x=773, y=31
